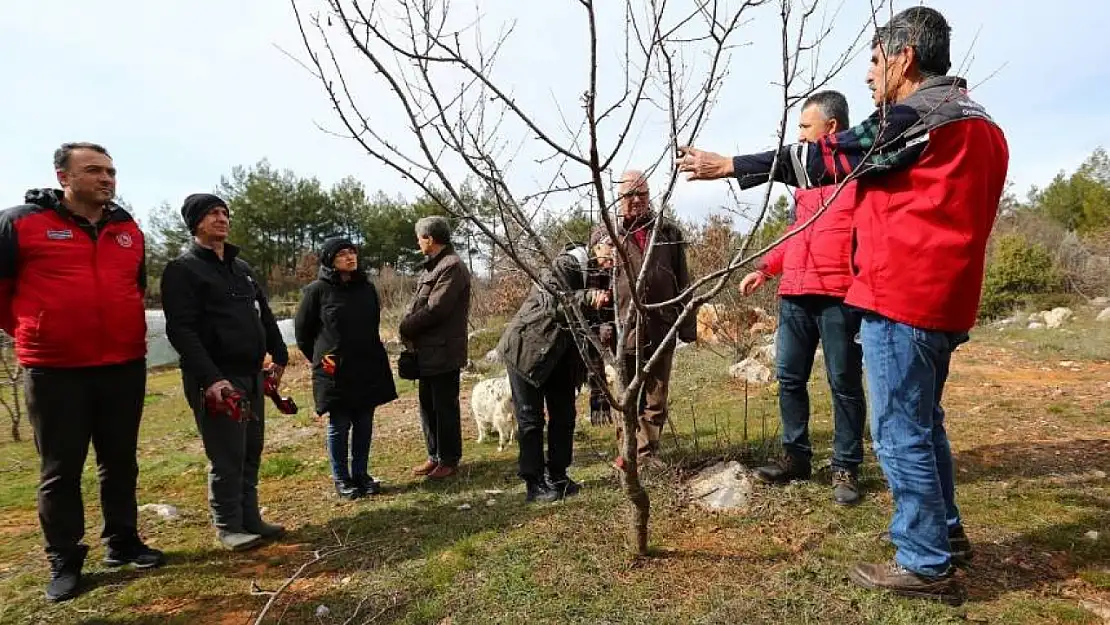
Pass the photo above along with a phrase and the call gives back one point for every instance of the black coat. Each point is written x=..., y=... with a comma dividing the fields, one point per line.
x=217, y=316
x=341, y=319
x=538, y=336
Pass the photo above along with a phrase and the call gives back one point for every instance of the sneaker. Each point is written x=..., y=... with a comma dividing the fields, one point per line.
x=238, y=541
x=426, y=468
x=265, y=530
x=958, y=544
x=845, y=487
x=539, y=491
x=564, y=486
x=140, y=555
x=899, y=580
x=65, y=575
x=784, y=470
x=441, y=472
x=347, y=489
x=368, y=485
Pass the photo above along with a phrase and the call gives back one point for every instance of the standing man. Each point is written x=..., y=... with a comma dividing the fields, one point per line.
x=664, y=279
x=219, y=321
x=435, y=327
x=815, y=278
x=72, y=279
x=931, y=166
x=545, y=366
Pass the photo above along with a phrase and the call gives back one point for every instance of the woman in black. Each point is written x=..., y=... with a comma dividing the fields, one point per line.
x=337, y=330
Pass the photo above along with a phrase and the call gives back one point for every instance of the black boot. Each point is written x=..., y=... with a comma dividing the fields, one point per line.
x=140, y=555
x=538, y=490
x=563, y=485
x=346, y=489
x=785, y=469
x=368, y=485
x=845, y=487
x=960, y=546
x=65, y=574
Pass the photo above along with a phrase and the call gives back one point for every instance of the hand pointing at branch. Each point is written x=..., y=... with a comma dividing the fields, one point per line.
x=703, y=165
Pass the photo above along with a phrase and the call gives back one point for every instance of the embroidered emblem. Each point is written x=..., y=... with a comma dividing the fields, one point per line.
x=123, y=239
x=59, y=235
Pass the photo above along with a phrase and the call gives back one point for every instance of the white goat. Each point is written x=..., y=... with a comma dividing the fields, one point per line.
x=491, y=405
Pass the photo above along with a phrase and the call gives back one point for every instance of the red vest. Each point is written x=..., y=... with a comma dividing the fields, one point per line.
x=815, y=261
x=920, y=234
x=70, y=300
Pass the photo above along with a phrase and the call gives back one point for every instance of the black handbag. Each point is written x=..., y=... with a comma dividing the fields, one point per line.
x=407, y=366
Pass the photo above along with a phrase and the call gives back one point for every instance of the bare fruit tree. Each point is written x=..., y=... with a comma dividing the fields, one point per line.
x=11, y=381
x=647, y=65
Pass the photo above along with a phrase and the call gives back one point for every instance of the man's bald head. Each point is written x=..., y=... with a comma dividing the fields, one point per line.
x=634, y=193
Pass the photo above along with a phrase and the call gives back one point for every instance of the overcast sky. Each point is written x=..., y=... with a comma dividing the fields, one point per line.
x=180, y=92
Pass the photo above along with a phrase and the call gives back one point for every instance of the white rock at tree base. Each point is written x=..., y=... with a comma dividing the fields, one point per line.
x=1036, y=325
x=752, y=370
x=1057, y=316
x=1104, y=315
x=723, y=486
x=163, y=510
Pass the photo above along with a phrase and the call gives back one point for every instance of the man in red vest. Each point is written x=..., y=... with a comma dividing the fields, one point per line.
x=815, y=275
x=931, y=166
x=72, y=278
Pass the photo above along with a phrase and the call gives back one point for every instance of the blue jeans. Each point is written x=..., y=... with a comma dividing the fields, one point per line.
x=359, y=427
x=803, y=321
x=906, y=371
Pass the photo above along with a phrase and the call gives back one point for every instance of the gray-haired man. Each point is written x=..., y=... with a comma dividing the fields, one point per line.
x=435, y=327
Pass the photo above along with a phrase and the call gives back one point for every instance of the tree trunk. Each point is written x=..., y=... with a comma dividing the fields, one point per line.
x=639, y=507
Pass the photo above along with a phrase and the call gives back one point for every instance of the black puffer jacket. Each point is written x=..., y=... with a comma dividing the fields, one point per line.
x=538, y=336
x=340, y=318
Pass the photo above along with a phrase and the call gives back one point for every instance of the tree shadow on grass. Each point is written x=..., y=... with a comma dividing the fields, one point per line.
x=1005, y=461
x=1044, y=557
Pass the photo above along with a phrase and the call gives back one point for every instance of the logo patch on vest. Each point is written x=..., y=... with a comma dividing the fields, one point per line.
x=59, y=235
x=123, y=239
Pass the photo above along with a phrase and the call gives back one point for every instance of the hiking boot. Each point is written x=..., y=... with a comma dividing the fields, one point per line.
x=784, y=470
x=65, y=574
x=140, y=555
x=958, y=544
x=902, y=581
x=563, y=486
x=346, y=489
x=368, y=485
x=536, y=490
x=265, y=530
x=238, y=541
x=426, y=468
x=845, y=487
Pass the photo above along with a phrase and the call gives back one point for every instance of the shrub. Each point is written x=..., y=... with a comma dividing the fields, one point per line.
x=1017, y=270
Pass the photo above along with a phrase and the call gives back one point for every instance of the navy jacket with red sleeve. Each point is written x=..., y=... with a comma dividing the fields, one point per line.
x=71, y=292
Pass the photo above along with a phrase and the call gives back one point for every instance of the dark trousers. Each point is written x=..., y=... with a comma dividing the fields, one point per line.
x=357, y=427
x=68, y=408
x=803, y=321
x=234, y=450
x=528, y=403
x=440, y=417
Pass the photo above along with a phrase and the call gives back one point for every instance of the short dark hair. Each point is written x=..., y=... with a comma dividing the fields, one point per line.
x=62, y=154
x=923, y=29
x=833, y=105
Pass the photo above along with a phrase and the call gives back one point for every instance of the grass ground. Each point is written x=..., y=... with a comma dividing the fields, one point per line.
x=1029, y=418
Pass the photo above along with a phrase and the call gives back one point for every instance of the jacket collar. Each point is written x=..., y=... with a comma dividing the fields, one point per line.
x=431, y=261
x=331, y=276
x=52, y=199
x=231, y=252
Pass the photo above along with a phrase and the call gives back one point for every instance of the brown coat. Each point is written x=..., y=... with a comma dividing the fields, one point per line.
x=665, y=279
x=435, y=325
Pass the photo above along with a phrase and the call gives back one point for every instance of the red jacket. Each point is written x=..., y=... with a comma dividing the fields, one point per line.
x=930, y=172
x=71, y=292
x=815, y=261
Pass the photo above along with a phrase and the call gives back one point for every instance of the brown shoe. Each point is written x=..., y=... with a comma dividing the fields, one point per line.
x=441, y=471
x=901, y=581
x=426, y=468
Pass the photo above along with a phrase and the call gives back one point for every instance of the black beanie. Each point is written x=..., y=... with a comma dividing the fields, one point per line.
x=332, y=247
x=196, y=206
